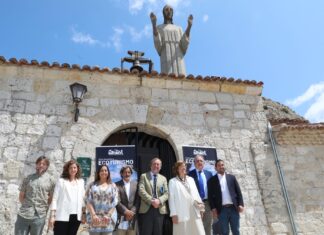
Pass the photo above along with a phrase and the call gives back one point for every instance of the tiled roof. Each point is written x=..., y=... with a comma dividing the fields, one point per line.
x=300, y=126
x=124, y=71
x=288, y=121
x=299, y=134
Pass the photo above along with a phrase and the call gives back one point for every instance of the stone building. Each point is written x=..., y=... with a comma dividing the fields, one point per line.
x=167, y=112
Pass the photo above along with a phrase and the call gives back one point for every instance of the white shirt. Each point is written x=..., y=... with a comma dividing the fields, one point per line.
x=226, y=196
x=74, y=196
x=203, y=176
x=127, y=188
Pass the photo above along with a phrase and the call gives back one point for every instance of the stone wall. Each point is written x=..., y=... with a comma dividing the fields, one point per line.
x=300, y=157
x=36, y=118
x=303, y=167
x=300, y=150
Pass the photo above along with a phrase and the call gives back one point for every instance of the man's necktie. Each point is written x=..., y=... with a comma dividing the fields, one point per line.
x=154, y=186
x=201, y=186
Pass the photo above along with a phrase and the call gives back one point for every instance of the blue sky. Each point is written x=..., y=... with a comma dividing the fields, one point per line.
x=278, y=42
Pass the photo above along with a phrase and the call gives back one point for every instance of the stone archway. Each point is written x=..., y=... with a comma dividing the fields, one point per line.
x=147, y=146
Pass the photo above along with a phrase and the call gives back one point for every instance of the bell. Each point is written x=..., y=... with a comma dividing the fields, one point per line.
x=137, y=59
x=136, y=67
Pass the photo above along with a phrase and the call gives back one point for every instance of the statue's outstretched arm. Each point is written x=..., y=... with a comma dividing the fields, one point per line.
x=190, y=20
x=153, y=20
x=156, y=36
x=184, y=42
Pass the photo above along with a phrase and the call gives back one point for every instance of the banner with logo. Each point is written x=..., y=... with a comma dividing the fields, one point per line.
x=209, y=153
x=115, y=157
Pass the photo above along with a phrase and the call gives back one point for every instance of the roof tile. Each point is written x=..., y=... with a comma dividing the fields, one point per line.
x=117, y=70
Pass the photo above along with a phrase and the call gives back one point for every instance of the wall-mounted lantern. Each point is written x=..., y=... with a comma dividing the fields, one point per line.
x=78, y=90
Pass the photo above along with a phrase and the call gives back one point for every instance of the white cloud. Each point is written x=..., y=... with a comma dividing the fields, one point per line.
x=315, y=95
x=310, y=93
x=82, y=38
x=135, y=6
x=205, y=18
x=85, y=38
x=174, y=3
x=137, y=35
x=315, y=112
x=116, y=39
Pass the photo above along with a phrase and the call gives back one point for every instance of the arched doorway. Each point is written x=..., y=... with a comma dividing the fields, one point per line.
x=147, y=147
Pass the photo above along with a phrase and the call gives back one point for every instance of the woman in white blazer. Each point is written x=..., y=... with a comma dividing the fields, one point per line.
x=67, y=208
x=186, y=207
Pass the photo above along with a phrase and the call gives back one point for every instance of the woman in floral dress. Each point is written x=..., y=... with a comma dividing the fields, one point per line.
x=102, y=198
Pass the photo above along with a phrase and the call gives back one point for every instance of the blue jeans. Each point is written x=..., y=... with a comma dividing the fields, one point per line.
x=229, y=215
x=25, y=226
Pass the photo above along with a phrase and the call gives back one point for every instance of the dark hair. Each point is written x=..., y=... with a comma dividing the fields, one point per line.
x=176, y=167
x=97, y=176
x=66, y=174
x=217, y=161
x=43, y=158
x=124, y=168
x=164, y=14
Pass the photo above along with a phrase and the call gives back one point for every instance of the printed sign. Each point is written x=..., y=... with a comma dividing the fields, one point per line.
x=85, y=164
x=115, y=157
x=209, y=153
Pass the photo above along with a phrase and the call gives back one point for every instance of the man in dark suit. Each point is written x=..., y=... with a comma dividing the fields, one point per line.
x=225, y=199
x=201, y=177
x=128, y=202
x=153, y=191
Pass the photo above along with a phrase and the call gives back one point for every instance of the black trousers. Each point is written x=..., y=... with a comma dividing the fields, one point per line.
x=151, y=223
x=67, y=227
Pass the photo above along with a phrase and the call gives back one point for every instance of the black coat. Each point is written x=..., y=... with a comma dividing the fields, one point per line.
x=215, y=193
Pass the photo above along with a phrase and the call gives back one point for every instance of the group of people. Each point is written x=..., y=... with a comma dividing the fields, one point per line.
x=104, y=205
x=193, y=200
x=200, y=202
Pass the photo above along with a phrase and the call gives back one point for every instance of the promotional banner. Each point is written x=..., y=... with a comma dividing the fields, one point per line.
x=115, y=157
x=209, y=153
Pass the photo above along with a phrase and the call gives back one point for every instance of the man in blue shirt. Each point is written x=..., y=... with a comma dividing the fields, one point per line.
x=201, y=177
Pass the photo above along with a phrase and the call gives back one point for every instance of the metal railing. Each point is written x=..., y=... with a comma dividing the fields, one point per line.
x=282, y=181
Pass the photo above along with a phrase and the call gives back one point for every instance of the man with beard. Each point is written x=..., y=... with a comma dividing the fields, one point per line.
x=35, y=197
x=128, y=202
x=225, y=199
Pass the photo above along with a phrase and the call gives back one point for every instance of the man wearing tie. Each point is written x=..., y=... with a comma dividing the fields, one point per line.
x=153, y=191
x=128, y=202
x=201, y=177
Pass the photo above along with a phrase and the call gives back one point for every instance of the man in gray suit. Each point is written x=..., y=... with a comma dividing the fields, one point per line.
x=153, y=191
x=128, y=202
